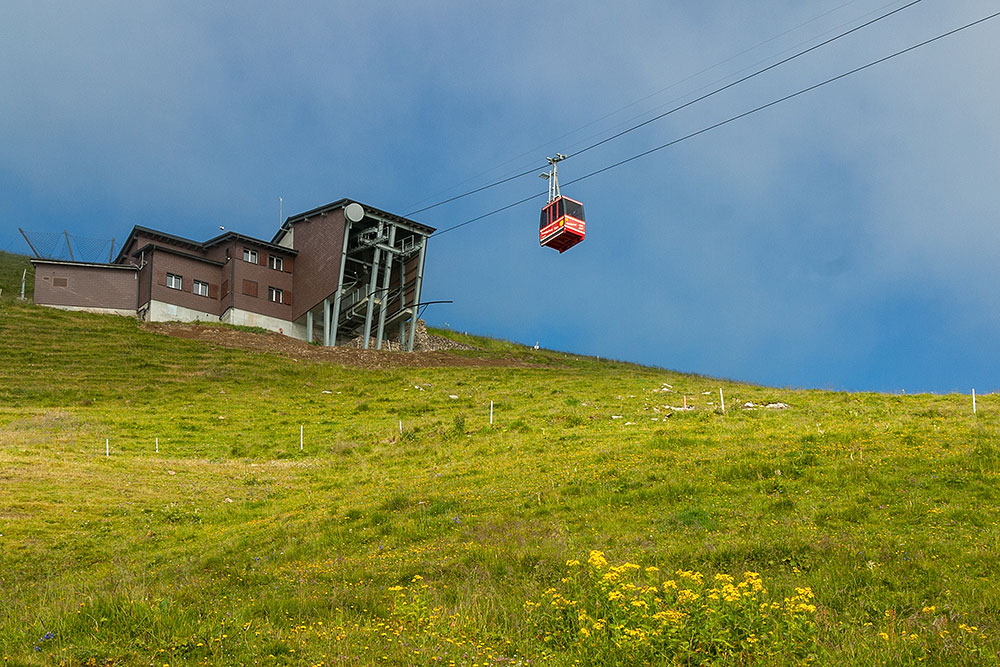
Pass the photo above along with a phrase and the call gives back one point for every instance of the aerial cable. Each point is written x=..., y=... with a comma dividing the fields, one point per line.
x=745, y=78
x=671, y=111
x=728, y=120
x=627, y=106
x=736, y=73
x=639, y=101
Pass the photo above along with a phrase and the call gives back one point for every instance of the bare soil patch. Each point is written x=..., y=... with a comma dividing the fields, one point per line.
x=276, y=343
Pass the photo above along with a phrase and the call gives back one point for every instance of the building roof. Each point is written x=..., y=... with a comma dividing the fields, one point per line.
x=225, y=237
x=66, y=262
x=174, y=251
x=197, y=245
x=341, y=203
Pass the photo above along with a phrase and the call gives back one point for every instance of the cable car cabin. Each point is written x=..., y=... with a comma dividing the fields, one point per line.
x=562, y=225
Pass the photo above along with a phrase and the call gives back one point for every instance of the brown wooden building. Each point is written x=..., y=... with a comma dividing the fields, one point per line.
x=335, y=273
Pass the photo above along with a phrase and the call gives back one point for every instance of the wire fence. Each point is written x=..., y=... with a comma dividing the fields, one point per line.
x=66, y=246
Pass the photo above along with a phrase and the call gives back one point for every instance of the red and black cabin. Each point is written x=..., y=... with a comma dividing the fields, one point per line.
x=562, y=225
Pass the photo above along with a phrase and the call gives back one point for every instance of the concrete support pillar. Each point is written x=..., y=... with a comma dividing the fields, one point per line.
x=326, y=322
x=416, y=293
x=402, y=301
x=309, y=326
x=340, y=285
x=371, y=297
x=384, y=293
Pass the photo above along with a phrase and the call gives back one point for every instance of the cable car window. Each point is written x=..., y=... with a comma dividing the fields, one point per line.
x=544, y=221
x=560, y=212
x=574, y=209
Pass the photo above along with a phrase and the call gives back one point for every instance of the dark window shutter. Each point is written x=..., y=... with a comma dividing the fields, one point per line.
x=213, y=291
x=249, y=288
x=225, y=287
x=161, y=277
x=286, y=298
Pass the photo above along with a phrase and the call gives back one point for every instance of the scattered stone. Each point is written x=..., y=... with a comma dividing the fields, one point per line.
x=777, y=406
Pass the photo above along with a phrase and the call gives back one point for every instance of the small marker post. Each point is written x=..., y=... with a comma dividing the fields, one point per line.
x=157, y=445
x=401, y=427
x=300, y=437
x=491, y=413
x=973, y=401
x=107, y=448
x=722, y=400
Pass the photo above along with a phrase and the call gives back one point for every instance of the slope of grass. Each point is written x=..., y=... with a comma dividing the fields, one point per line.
x=593, y=522
x=12, y=266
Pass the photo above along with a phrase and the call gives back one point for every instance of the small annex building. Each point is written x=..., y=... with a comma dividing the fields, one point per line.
x=338, y=273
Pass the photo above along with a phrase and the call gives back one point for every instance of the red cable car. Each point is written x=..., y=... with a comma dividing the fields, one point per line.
x=562, y=224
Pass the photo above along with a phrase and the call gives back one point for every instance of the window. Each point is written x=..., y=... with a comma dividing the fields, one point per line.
x=174, y=281
x=276, y=263
x=60, y=282
x=574, y=209
x=274, y=294
x=200, y=288
x=249, y=255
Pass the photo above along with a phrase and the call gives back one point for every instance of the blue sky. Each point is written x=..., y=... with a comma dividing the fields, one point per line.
x=845, y=239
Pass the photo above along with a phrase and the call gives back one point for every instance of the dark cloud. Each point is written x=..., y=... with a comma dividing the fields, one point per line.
x=803, y=245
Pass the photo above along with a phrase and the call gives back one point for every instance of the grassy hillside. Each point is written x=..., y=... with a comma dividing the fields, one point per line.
x=11, y=268
x=593, y=523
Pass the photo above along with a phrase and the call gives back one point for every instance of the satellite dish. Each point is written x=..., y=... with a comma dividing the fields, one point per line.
x=354, y=212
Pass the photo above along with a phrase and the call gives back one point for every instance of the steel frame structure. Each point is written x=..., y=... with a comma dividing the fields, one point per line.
x=381, y=274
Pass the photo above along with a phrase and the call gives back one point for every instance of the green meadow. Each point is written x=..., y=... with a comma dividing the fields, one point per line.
x=595, y=522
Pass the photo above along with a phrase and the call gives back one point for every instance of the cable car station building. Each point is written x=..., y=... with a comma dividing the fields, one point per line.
x=334, y=274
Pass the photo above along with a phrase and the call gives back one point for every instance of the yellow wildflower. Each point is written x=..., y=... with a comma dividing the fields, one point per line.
x=685, y=595
x=597, y=560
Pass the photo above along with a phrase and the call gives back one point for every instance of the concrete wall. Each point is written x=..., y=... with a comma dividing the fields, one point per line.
x=160, y=311
x=249, y=319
